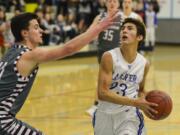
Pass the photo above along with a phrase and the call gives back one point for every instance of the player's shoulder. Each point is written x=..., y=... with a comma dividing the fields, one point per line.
x=134, y=13
x=142, y=58
x=107, y=56
x=113, y=53
x=114, y=50
x=107, y=61
x=136, y=16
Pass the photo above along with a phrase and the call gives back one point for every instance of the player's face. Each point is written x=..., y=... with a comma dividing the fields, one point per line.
x=112, y=5
x=128, y=34
x=127, y=4
x=34, y=33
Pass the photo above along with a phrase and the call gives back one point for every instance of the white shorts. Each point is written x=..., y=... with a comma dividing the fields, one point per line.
x=128, y=122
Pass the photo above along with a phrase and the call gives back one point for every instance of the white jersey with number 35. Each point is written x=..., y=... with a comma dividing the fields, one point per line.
x=125, y=80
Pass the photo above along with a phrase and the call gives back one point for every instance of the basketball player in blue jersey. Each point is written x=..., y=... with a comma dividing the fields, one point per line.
x=19, y=66
x=121, y=85
x=107, y=39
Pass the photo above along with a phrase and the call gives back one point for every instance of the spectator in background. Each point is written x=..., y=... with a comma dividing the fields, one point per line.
x=17, y=12
x=139, y=9
x=156, y=7
x=151, y=25
x=3, y=28
x=59, y=32
x=49, y=2
x=19, y=5
x=7, y=4
x=48, y=21
x=84, y=14
x=49, y=6
x=155, y=4
x=11, y=5
x=62, y=7
x=98, y=7
x=127, y=7
x=71, y=28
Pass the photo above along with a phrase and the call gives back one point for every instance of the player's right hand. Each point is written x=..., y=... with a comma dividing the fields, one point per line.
x=147, y=107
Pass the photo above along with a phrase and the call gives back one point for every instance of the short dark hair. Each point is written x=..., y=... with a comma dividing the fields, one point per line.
x=141, y=28
x=21, y=22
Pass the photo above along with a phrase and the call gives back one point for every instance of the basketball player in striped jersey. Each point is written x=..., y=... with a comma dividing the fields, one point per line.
x=19, y=66
x=121, y=83
x=107, y=39
x=127, y=6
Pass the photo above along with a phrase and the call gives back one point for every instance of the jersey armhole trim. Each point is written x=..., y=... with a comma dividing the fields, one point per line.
x=16, y=70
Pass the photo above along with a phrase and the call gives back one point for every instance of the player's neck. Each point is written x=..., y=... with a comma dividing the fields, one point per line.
x=127, y=12
x=28, y=44
x=110, y=12
x=128, y=53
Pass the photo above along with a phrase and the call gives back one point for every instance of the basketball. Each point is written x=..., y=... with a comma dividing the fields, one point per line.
x=164, y=102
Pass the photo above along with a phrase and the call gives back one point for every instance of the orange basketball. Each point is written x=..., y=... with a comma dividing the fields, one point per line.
x=164, y=102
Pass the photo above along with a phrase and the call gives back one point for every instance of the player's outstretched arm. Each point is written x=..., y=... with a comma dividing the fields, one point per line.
x=42, y=54
x=74, y=45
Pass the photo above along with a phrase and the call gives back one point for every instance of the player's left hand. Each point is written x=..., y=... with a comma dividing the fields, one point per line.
x=109, y=20
x=147, y=107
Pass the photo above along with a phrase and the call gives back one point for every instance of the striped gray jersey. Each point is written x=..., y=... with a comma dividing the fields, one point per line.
x=110, y=38
x=125, y=79
x=14, y=88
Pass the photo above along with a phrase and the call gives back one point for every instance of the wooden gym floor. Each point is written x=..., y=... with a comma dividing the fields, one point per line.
x=65, y=89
